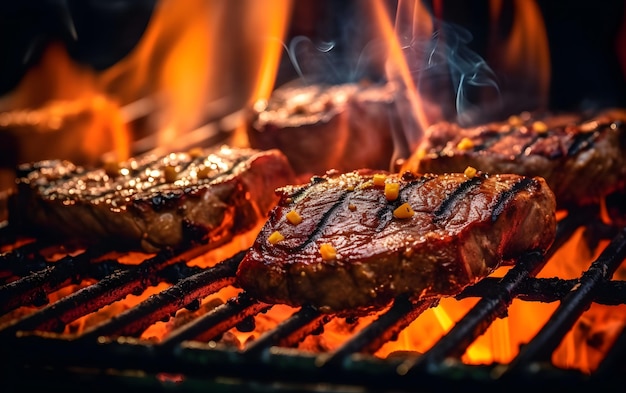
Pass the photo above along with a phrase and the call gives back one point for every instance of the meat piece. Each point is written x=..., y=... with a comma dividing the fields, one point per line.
x=322, y=127
x=582, y=158
x=353, y=251
x=155, y=202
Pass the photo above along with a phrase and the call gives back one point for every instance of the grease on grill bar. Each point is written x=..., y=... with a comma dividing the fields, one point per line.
x=196, y=352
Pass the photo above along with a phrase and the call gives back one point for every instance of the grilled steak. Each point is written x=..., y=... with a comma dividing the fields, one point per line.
x=155, y=202
x=347, y=243
x=321, y=127
x=582, y=158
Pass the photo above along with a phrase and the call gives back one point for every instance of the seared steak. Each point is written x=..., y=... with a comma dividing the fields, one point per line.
x=349, y=243
x=582, y=158
x=322, y=127
x=155, y=202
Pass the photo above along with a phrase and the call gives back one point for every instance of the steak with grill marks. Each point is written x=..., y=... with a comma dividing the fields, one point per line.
x=346, y=243
x=583, y=158
x=152, y=201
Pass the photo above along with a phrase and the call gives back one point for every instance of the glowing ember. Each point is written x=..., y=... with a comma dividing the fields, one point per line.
x=192, y=65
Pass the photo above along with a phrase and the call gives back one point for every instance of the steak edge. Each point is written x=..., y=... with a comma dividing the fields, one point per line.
x=582, y=158
x=327, y=127
x=463, y=228
x=153, y=201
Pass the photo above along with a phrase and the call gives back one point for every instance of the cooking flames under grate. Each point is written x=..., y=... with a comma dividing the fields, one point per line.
x=195, y=354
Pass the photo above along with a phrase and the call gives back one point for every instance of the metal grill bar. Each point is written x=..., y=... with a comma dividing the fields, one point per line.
x=291, y=331
x=572, y=306
x=89, y=299
x=548, y=290
x=135, y=320
x=34, y=288
x=382, y=330
x=271, y=357
x=216, y=322
x=24, y=259
x=480, y=317
x=278, y=371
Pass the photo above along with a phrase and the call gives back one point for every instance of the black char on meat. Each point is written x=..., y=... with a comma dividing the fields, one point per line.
x=153, y=201
x=582, y=158
x=350, y=243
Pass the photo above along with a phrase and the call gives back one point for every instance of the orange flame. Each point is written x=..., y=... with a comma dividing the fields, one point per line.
x=524, y=54
x=412, y=19
x=191, y=64
x=189, y=67
x=58, y=110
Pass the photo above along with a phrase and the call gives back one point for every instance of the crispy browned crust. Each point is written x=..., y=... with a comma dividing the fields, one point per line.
x=582, y=158
x=154, y=202
x=323, y=127
x=463, y=228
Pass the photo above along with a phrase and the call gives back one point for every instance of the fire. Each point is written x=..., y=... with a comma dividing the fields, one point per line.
x=411, y=16
x=58, y=111
x=522, y=55
x=192, y=65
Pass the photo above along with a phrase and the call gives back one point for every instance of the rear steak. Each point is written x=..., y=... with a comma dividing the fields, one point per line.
x=582, y=158
x=348, y=243
x=152, y=202
x=322, y=127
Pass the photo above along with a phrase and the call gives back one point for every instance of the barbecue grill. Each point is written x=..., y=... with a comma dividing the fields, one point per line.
x=193, y=357
x=47, y=285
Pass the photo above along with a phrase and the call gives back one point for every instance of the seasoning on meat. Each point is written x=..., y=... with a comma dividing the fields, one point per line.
x=152, y=202
x=583, y=158
x=453, y=231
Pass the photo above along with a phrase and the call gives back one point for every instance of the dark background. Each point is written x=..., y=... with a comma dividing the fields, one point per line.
x=587, y=39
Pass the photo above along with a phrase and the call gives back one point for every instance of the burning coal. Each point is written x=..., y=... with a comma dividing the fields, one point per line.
x=192, y=77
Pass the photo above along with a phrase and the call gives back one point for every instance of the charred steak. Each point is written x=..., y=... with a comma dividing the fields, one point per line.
x=582, y=158
x=353, y=242
x=323, y=127
x=155, y=202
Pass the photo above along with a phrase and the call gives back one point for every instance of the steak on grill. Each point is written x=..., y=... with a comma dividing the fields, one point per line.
x=338, y=243
x=582, y=158
x=323, y=127
x=151, y=201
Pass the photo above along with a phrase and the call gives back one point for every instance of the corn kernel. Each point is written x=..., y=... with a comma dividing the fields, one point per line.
x=391, y=191
x=293, y=217
x=465, y=144
x=170, y=173
x=470, y=172
x=379, y=179
x=275, y=237
x=328, y=251
x=404, y=211
x=540, y=127
x=352, y=207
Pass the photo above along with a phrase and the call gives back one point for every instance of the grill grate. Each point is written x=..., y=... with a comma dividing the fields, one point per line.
x=111, y=354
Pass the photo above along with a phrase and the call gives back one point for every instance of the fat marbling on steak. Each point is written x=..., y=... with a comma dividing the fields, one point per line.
x=583, y=158
x=152, y=201
x=353, y=242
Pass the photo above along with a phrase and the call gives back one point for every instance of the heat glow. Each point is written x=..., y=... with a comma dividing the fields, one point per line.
x=192, y=65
